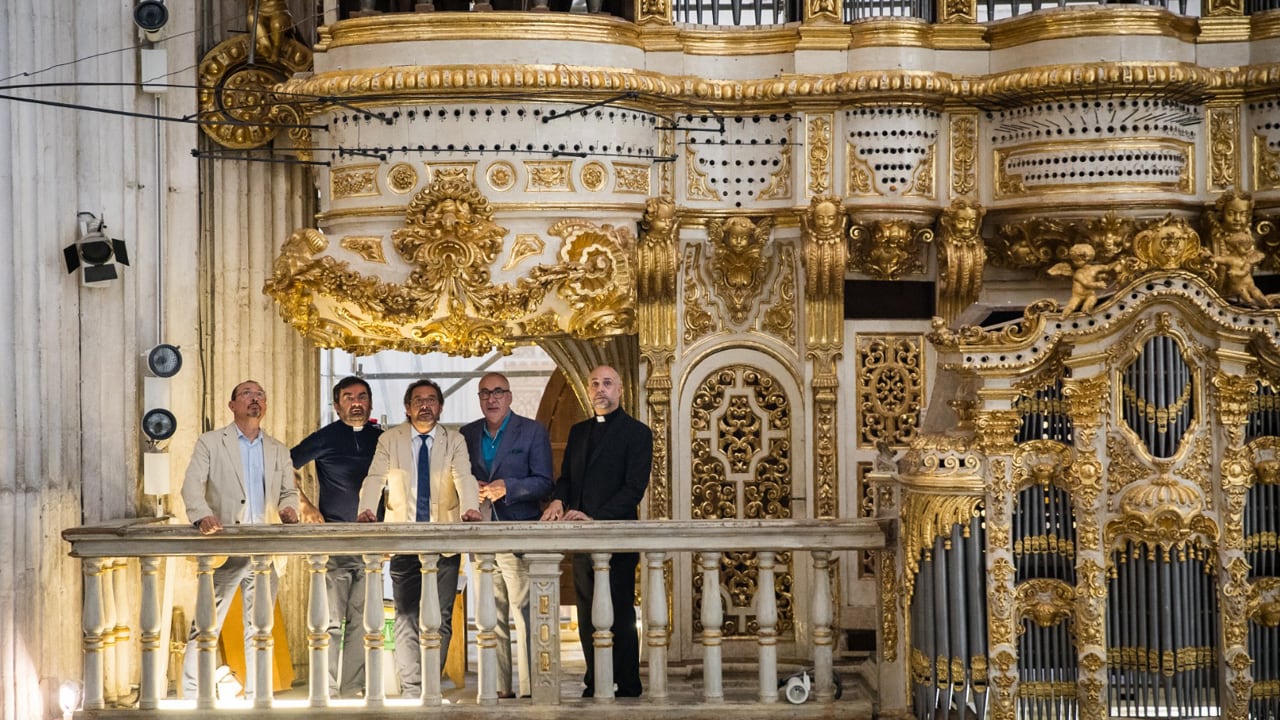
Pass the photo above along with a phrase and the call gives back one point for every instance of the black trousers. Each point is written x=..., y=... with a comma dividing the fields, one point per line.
x=626, y=642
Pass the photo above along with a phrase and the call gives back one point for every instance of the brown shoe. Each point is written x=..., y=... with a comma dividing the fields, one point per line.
x=506, y=695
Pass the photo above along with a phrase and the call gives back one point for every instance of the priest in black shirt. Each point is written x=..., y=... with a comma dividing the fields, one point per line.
x=342, y=451
x=607, y=462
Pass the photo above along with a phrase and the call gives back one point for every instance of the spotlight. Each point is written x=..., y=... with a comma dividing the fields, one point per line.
x=160, y=364
x=95, y=254
x=150, y=15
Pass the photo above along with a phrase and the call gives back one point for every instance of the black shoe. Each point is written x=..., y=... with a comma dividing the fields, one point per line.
x=506, y=695
x=630, y=693
x=589, y=692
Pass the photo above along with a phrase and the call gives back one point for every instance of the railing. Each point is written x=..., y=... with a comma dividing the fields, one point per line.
x=106, y=549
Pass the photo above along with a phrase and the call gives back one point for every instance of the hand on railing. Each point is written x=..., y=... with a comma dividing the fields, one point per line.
x=555, y=511
x=288, y=515
x=208, y=525
x=367, y=516
x=472, y=515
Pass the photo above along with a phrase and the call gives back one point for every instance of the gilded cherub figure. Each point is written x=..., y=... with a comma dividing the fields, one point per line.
x=1087, y=278
x=270, y=21
x=1237, y=264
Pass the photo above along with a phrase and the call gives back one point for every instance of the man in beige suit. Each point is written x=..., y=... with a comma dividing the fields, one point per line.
x=238, y=475
x=426, y=470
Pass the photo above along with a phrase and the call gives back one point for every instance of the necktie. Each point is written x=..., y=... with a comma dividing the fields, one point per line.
x=424, y=480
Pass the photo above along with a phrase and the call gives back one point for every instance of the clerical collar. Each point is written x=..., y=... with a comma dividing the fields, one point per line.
x=608, y=416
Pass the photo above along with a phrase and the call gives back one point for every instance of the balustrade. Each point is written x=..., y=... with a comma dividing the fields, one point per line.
x=106, y=551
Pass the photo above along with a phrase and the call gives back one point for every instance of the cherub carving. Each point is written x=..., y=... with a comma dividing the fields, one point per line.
x=738, y=260
x=1087, y=278
x=1237, y=264
x=824, y=226
x=270, y=21
x=658, y=250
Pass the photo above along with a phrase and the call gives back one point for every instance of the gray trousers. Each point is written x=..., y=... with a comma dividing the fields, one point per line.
x=406, y=590
x=234, y=573
x=511, y=590
x=344, y=581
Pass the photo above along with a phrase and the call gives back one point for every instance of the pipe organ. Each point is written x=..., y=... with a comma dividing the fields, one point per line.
x=1089, y=515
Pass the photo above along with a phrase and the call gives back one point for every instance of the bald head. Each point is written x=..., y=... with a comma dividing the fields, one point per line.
x=604, y=388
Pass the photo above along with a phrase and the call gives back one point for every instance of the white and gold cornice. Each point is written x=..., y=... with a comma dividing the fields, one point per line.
x=434, y=27
x=374, y=86
x=1092, y=21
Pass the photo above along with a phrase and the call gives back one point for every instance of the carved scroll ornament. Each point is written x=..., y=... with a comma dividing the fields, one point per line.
x=448, y=302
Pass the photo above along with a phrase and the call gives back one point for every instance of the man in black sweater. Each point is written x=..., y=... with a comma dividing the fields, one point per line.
x=607, y=462
x=342, y=451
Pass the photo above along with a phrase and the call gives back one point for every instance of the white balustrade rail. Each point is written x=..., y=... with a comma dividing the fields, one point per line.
x=106, y=549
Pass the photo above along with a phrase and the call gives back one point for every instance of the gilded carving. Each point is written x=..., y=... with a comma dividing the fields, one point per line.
x=548, y=175
x=890, y=389
x=740, y=443
x=631, y=178
x=959, y=11
x=962, y=257
x=996, y=430
x=825, y=478
x=1091, y=595
x=402, y=178
x=369, y=248
x=1264, y=601
x=667, y=170
x=602, y=292
x=1224, y=159
x=1266, y=164
x=825, y=10
x=1045, y=601
x=859, y=179
x=922, y=184
x=501, y=176
x=460, y=172
x=697, y=184
x=698, y=321
x=824, y=263
x=658, y=398
x=526, y=245
x=658, y=268
x=1030, y=244
x=1235, y=252
x=887, y=249
x=1086, y=398
x=779, y=187
x=888, y=574
x=239, y=107
x=1162, y=511
x=655, y=11
x=737, y=261
x=1235, y=605
x=1169, y=244
x=448, y=302
x=818, y=139
x=1002, y=601
x=353, y=181
x=780, y=317
x=593, y=176
x=964, y=152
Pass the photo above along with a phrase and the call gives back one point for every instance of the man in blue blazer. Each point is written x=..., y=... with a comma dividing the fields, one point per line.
x=511, y=458
x=606, y=469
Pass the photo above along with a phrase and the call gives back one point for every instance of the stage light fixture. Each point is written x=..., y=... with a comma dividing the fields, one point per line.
x=150, y=15
x=95, y=255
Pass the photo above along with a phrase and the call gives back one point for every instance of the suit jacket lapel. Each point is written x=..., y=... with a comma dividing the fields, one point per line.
x=231, y=444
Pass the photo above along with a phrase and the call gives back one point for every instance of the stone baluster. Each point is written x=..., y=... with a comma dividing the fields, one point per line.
x=110, y=679
x=429, y=630
x=318, y=630
x=263, y=619
x=823, y=681
x=656, y=625
x=151, y=684
x=486, y=638
x=767, y=618
x=123, y=633
x=712, y=624
x=374, y=692
x=544, y=613
x=602, y=620
x=206, y=632
x=92, y=624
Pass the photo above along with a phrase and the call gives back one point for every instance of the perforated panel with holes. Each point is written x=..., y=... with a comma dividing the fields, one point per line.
x=889, y=148
x=1263, y=125
x=1134, y=144
x=748, y=164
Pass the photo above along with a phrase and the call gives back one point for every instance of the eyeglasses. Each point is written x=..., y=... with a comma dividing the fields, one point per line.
x=498, y=393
